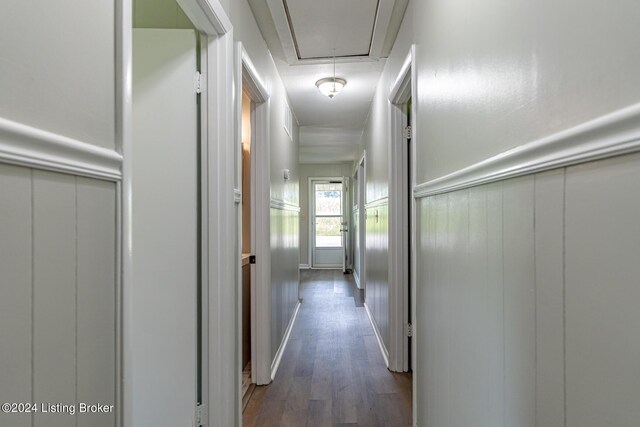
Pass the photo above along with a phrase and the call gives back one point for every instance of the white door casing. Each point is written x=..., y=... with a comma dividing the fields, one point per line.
x=326, y=251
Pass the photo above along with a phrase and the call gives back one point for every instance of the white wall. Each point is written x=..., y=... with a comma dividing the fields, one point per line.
x=283, y=155
x=500, y=74
x=314, y=170
x=57, y=67
x=375, y=140
x=58, y=267
x=159, y=14
x=525, y=287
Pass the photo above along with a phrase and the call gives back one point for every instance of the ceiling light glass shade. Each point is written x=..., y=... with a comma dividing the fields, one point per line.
x=330, y=86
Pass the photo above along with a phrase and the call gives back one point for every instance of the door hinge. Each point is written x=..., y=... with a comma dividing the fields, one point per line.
x=252, y=259
x=201, y=82
x=201, y=415
x=407, y=132
x=409, y=328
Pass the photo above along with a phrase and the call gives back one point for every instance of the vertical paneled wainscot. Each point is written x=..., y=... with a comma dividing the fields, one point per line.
x=285, y=273
x=57, y=295
x=527, y=296
x=377, y=266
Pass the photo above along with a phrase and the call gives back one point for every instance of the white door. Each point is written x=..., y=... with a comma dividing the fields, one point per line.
x=327, y=209
x=165, y=227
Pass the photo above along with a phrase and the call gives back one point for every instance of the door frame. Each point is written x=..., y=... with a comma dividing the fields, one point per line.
x=312, y=216
x=250, y=82
x=362, y=214
x=401, y=217
x=221, y=329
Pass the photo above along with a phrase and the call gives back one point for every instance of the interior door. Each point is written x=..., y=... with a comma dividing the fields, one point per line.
x=165, y=227
x=328, y=216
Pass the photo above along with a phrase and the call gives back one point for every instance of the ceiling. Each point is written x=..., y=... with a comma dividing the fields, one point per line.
x=303, y=37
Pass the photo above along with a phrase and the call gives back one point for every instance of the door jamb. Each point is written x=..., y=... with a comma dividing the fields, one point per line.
x=211, y=20
x=401, y=215
x=251, y=83
x=362, y=220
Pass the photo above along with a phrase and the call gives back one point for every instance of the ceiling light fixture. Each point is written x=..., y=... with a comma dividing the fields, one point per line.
x=331, y=86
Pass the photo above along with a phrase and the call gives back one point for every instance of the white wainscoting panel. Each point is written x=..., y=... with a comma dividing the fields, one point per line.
x=377, y=266
x=15, y=290
x=58, y=303
x=495, y=326
x=527, y=300
x=285, y=271
x=602, y=285
x=519, y=302
x=54, y=289
x=549, y=226
x=96, y=298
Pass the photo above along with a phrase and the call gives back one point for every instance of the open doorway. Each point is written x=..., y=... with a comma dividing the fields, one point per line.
x=247, y=250
x=402, y=219
x=166, y=184
x=252, y=196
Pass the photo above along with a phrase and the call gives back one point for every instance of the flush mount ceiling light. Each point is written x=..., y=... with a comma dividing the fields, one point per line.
x=331, y=86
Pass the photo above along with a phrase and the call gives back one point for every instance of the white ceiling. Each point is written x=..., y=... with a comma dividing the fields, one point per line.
x=329, y=145
x=330, y=129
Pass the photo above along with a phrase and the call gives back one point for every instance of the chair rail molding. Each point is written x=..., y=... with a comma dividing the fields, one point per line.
x=613, y=134
x=283, y=205
x=31, y=147
x=382, y=201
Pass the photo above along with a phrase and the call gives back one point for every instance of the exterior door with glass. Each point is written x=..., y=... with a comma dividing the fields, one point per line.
x=327, y=209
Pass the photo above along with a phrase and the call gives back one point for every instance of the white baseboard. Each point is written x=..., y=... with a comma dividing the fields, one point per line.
x=610, y=135
x=383, y=349
x=285, y=341
x=304, y=266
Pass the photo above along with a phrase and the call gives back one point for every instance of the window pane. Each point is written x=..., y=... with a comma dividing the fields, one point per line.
x=328, y=199
x=328, y=232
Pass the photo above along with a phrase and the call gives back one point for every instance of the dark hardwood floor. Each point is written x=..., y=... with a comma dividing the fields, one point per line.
x=332, y=372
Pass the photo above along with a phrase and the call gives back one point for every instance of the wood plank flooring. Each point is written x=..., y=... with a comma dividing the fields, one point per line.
x=332, y=372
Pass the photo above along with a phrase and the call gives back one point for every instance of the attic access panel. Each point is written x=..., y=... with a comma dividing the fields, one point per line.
x=319, y=27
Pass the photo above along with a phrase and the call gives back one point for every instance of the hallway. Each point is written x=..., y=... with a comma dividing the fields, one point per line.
x=332, y=372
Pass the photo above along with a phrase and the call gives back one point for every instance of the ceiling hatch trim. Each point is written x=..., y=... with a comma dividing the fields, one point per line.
x=285, y=25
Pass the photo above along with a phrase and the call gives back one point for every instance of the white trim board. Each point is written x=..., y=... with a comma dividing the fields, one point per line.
x=401, y=212
x=378, y=202
x=31, y=147
x=283, y=345
x=304, y=266
x=383, y=349
x=248, y=79
x=208, y=16
x=610, y=135
x=285, y=206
